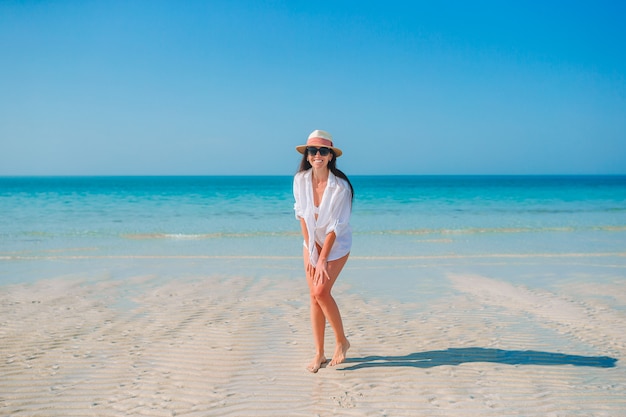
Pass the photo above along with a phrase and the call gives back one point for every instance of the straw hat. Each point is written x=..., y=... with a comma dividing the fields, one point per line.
x=319, y=138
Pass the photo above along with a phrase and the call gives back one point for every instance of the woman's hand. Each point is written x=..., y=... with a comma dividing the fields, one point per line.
x=320, y=272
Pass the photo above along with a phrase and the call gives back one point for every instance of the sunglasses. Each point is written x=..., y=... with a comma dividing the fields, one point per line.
x=313, y=151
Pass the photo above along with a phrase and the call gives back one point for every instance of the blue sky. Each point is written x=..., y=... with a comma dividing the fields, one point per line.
x=231, y=87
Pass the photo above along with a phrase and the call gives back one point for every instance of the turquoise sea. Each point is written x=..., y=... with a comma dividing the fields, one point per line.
x=51, y=226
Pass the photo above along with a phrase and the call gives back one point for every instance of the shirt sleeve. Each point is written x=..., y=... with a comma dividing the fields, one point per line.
x=341, y=209
x=297, y=194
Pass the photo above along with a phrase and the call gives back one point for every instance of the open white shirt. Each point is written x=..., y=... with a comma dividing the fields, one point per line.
x=334, y=214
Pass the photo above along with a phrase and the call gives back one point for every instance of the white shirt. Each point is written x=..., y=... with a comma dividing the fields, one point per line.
x=334, y=214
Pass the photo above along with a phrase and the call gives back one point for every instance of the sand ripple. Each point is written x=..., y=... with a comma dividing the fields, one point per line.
x=238, y=346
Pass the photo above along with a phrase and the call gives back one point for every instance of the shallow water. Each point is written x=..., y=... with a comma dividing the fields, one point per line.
x=48, y=223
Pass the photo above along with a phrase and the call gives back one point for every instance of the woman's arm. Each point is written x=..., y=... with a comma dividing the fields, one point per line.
x=326, y=247
x=310, y=270
x=305, y=231
x=340, y=213
x=321, y=270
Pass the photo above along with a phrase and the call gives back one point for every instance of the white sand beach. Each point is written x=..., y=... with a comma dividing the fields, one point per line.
x=219, y=344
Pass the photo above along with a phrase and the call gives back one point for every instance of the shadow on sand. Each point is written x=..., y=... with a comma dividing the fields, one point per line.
x=457, y=356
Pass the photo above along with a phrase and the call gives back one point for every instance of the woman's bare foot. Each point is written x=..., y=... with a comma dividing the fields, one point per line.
x=317, y=363
x=340, y=353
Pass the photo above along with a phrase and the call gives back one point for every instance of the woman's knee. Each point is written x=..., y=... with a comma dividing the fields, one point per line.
x=320, y=293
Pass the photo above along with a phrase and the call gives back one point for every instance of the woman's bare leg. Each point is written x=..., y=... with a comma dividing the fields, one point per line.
x=318, y=322
x=323, y=302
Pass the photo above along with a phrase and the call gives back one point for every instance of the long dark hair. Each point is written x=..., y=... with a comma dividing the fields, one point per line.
x=332, y=166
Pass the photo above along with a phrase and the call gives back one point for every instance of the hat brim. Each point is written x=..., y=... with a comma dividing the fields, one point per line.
x=302, y=149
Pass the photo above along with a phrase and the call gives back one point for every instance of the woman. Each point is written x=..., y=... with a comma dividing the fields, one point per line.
x=323, y=205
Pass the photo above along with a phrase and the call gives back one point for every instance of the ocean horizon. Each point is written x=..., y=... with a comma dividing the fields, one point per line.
x=50, y=222
x=227, y=205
